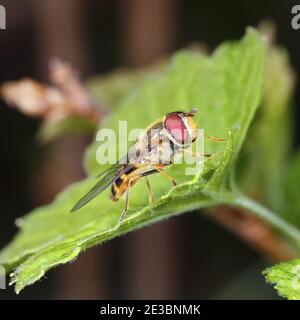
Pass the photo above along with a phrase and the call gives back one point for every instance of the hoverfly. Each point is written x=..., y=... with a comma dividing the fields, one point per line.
x=168, y=138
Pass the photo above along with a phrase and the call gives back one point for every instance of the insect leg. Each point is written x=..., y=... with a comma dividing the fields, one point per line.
x=163, y=173
x=126, y=203
x=214, y=138
x=149, y=190
x=197, y=154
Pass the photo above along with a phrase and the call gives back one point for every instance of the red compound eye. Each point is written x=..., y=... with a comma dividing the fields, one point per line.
x=176, y=127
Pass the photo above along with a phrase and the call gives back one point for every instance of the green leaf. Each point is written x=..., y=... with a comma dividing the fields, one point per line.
x=291, y=210
x=265, y=154
x=286, y=278
x=111, y=88
x=225, y=87
x=108, y=90
x=53, y=129
x=266, y=171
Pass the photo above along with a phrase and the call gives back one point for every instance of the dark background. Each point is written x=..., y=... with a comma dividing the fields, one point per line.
x=189, y=256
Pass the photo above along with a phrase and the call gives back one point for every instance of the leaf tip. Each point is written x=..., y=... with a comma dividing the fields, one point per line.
x=253, y=31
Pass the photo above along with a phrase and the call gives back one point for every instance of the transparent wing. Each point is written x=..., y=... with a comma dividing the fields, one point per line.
x=110, y=176
x=110, y=169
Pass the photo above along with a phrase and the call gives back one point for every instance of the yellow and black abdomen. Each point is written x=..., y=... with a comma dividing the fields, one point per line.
x=119, y=187
x=121, y=184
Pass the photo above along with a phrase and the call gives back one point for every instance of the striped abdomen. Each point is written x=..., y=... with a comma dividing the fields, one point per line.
x=134, y=174
x=121, y=183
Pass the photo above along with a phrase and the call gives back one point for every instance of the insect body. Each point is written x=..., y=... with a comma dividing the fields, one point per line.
x=153, y=151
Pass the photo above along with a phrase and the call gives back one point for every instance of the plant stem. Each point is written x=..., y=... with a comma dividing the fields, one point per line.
x=268, y=216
